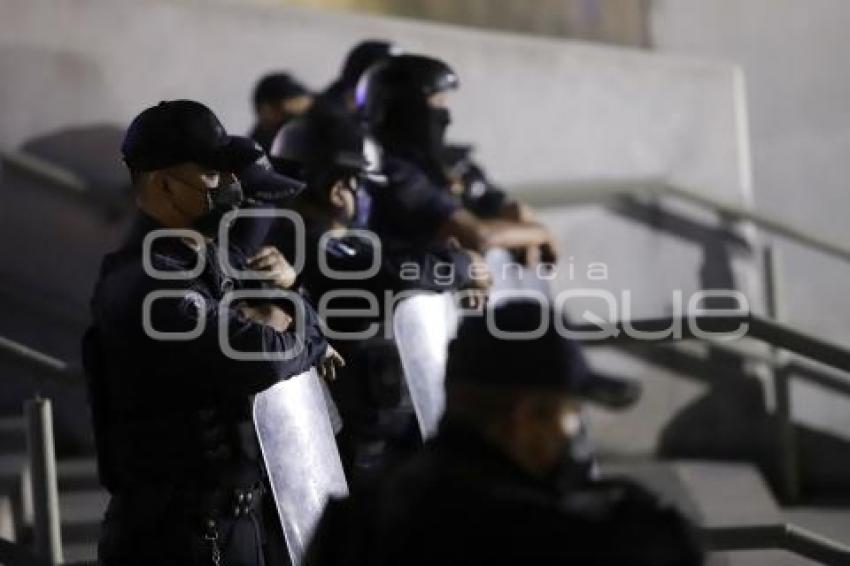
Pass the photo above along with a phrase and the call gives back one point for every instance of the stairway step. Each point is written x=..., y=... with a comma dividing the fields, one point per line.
x=81, y=513
x=75, y=474
x=713, y=494
x=13, y=435
x=80, y=554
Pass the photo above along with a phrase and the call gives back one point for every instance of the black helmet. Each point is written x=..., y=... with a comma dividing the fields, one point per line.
x=406, y=80
x=319, y=147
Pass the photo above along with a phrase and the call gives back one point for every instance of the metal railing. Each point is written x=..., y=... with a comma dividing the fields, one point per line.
x=44, y=170
x=553, y=195
x=560, y=194
x=42, y=478
x=778, y=336
x=697, y=326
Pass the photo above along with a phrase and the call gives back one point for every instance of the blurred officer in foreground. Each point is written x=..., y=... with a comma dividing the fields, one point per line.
x=505, y=480
x=404, y=102
x=278, y=97
x=325, y=149
x=340, y=95
x=171, y=407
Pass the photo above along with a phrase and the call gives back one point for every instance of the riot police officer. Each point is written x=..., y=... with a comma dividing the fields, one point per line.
x=506, y=480
x=436, y=190
x=173, y=362
x=325, y=149
x=404, y=102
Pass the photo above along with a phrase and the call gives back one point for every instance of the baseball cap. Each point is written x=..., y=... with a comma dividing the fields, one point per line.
x=184, y=131
x=488, y=351
x=261, y=182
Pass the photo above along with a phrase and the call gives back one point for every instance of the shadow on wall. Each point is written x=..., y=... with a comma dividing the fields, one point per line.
x=57, y=88
x=52, y=240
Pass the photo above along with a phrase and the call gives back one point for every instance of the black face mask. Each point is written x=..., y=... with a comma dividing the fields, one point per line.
x=416, y=125
x=439, y=120
x=220, y=201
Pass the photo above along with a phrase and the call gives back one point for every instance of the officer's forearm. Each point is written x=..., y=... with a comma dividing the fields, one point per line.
x=513, y=235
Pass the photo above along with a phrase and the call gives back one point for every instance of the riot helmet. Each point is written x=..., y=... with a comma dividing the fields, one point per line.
x=394, y=98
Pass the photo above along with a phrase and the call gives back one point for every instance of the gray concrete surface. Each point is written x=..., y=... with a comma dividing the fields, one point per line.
x=538, y=109
x=794, y=55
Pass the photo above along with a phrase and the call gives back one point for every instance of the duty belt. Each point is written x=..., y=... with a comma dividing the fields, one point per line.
x=233, y=502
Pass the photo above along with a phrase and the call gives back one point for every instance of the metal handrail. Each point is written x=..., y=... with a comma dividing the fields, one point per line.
x=768, y=331
x=49, y=367
x=45, y=170
x=553, y=195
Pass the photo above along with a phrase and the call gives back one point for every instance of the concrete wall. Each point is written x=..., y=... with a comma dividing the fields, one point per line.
x=795, y=55
x=606, y=21
x=538, y=109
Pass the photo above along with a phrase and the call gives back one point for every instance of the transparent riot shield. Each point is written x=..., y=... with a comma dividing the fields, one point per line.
x=422, y=326
x=303, y=463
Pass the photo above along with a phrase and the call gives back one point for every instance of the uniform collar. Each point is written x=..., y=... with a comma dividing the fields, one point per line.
x=173, y=247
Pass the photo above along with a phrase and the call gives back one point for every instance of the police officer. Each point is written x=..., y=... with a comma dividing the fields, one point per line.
x=326, y=152
x=340, y=94
x=404, y=102
x=506, y=479
x=436, y=190
x=170, y=390
x=278, y=97
x=325, y=149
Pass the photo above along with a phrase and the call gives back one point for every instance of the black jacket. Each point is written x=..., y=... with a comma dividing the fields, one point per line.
x=462, y=502
x=177, y=412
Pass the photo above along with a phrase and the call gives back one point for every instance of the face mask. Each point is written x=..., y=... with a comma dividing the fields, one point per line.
x=220, y=201
x=440, y=119
x=419, y=126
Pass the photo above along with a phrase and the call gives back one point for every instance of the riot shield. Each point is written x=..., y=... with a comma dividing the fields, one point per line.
x=422, y=326
x=302, y=460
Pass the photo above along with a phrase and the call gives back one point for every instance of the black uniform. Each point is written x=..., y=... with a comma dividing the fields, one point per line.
x=462, y=502
x=176, y=445
x=412, y=206
x=370, y=381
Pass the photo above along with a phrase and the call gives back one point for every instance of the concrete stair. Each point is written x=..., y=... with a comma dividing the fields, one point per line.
x=715, y=494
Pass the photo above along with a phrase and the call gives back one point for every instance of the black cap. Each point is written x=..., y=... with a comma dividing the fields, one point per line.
x=364, y=55
x=261, y=182
x=183, y=131
x=275, y=87
x=549, y=361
